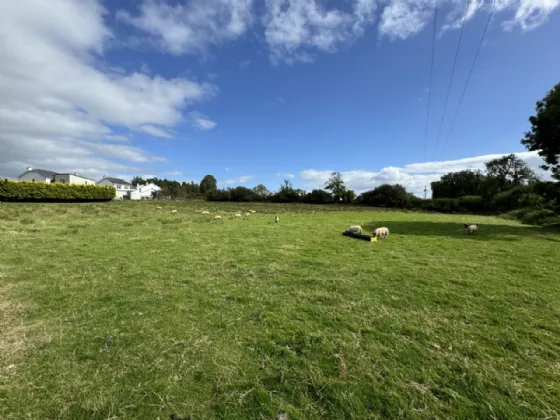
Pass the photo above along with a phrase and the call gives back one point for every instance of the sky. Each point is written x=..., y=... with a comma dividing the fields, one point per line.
x=258, y=91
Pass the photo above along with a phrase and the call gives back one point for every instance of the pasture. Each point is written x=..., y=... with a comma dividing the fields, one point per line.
x=120, y=311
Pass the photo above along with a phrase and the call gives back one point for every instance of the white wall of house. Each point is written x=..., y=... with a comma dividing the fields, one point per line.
x=122, y=190
x=143, y=191
x=33, y=176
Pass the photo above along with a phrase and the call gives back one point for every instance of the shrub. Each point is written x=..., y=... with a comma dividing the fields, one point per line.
x=472, y=203
x=386, y=195
x=515, y=198
x=444, y=205
x=318, y=197
x=532, y=216
x=54, y=192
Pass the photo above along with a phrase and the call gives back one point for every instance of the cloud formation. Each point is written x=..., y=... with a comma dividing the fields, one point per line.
x=237, y=181
x=58, y=108
x=285, y=175
x=414, y=176
x=201, y=121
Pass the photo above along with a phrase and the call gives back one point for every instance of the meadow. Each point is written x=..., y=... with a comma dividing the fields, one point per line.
x=121, y=311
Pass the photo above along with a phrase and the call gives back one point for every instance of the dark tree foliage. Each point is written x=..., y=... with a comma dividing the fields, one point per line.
x=318, y=197
x=509, y=171
x=544, y=136
x=208, y=184
x=386, y=196
x=458, y=184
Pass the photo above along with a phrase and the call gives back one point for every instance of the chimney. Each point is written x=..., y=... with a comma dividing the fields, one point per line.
x=29, y=169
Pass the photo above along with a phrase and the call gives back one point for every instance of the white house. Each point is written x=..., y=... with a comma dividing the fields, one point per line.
x=144, y=191
x=37, y=175
x=73, y=179
x=123, y=187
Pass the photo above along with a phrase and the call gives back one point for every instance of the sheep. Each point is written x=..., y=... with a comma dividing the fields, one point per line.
x=354, y=229
x=247, y=214
x=218, y=217
x=253, y=211
x=238, y=215
x=381, y=232
x=158, y=208
x=276, y=219
x=173, y=211
x=205, y=212
x=471, y=229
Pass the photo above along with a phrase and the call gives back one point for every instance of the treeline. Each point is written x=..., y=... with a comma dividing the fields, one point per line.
x=53, y=192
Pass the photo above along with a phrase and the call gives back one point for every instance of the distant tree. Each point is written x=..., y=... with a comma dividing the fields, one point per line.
x=243, y=194
x=386, y=196
x=335, y=185
x=544, y=136
x=191, y=187
x=287, y=194
x=319, y=197
x=138, y=181
x=261, y=190
x=509, y=171
x=208, y=184
x=458, y=184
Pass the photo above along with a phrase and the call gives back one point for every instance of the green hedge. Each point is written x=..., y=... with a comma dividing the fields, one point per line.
x=40, y=191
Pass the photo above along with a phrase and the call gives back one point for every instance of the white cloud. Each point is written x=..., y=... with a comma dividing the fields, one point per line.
x=227, y=169
x=404, y=18
x=193, y=26
x=237, y=181
x=285, y=175
x=174, y=173
x=414, y=176
x=155, y=131
x=296, y=29
x=57, y=105
x=201, y=121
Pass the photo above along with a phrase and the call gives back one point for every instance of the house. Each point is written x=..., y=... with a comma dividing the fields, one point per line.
x=73, y=179
x=124, y=188
x=144, y=191
x=37, y=175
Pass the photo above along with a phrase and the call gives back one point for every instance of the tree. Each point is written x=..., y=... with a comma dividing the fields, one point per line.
x=386, y=196
x=544, y=136
x=509, y=171
x=458, y=184
x=261, y=190
x=335, y=184
x=138, y=181
x=319, y=197
x=208, y=184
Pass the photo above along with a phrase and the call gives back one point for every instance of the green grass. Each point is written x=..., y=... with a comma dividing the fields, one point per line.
x=246, y=319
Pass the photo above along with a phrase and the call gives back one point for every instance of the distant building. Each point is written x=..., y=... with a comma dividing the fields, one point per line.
x=124, y=188
x=73, y=179
x=144, y=191
x=37, y=175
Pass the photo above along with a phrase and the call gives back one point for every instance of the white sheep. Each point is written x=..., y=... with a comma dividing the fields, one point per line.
x=247, y=214
x=471, y=229
x=354, y=229
x=276, y=219
x=218, y=217
x=253, y=211
x=173, y=211
x=381, y=232
x=238, y=215
x=205, y=212
x=158, y=208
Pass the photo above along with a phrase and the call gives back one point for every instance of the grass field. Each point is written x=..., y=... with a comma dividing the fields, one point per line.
x=247, y=319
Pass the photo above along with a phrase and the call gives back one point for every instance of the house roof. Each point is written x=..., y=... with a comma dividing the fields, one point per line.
x=79, y=176
x=116, y=180
x=42, y=172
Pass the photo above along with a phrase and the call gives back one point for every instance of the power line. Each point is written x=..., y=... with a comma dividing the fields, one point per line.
x=452, y=75
x=468, y=77
x=431, y=76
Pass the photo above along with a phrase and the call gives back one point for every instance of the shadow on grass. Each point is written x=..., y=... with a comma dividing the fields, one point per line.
x=485, y=232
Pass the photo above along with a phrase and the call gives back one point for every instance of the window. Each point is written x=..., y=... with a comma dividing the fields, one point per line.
x=118, y=187
x=63, y=181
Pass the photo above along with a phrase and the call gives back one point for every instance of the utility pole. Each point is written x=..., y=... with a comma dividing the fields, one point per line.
x=425, y=191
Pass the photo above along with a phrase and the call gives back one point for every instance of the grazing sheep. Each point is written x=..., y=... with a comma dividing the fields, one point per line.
x=253, y=211
x=173, y=211
x=205, y=212
x=276, y=219
x=218, y=217
x=247, y=214
x=238, y=215
x=158, y=208
x=471, y=229
x=381, y=232
x=354, y=229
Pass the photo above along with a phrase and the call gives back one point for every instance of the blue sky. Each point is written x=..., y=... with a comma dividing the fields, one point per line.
x=255, y=91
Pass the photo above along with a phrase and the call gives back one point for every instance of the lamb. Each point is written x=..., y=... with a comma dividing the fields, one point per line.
x=381, y=232
x=247, y=214
x=205, y=212
x=173, y=211
x=354, y=229
x=471, y=229
x=158, y=208
x=238, y=216
x=253, y=211
x=276, y=219
x=218, y=217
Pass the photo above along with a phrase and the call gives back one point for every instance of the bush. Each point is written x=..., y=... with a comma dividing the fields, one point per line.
x=472, y=203
x=532, y=216
x=444, y=205
x=54, y=192
x=386, y=195
x=515, y=198
x=318, y=197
